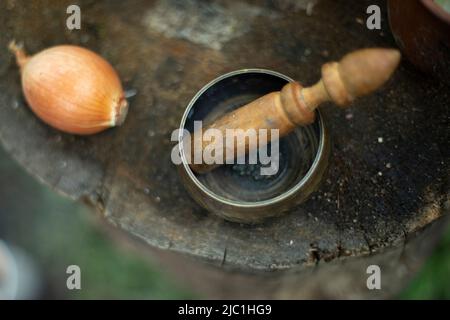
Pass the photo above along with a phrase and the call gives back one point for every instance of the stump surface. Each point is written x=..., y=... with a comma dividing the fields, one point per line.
x=388, y=173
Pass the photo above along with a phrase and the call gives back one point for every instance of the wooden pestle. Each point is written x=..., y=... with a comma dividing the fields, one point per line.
x=357, y=74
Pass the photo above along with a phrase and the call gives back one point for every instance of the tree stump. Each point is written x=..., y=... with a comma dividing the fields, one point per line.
x=383, y=200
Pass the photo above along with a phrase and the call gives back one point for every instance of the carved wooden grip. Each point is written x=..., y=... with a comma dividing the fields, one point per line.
x=357, y=74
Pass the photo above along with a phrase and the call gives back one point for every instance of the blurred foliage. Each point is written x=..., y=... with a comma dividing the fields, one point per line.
x=109, y=271
x=445, y=4
x=57, y=232
x=433, y=282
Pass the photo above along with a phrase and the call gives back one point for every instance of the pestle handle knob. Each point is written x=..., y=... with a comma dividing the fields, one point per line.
x=357, y=74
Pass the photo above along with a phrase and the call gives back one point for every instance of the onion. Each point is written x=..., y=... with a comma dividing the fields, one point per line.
x=72, y=89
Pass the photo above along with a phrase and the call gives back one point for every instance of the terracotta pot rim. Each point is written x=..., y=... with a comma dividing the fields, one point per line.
x=437, y=10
